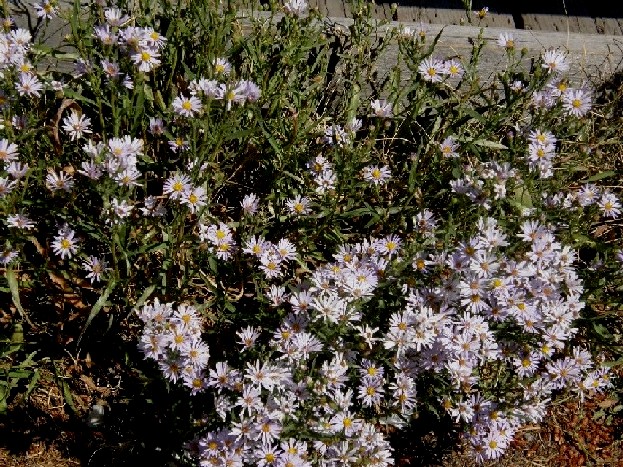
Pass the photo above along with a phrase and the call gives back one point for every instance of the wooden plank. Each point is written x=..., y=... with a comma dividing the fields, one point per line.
x=336, y=8
x=592, y=56
x=443, y=16
x=561, y=23
x=497, y=20
x=608, y=26
x=408, y=14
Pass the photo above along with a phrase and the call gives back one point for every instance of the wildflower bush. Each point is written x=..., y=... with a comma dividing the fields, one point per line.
x=309, y=252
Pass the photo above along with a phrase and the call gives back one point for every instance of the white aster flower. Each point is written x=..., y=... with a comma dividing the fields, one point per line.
x=75, y=124
x=187, y=106
x=65, y=244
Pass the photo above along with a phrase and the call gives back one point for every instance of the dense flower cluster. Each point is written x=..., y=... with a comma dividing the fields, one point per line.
x=141, y=44
x=172, y=337
x=457, y=324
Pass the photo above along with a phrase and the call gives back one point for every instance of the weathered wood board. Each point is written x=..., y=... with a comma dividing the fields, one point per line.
x=593, y=56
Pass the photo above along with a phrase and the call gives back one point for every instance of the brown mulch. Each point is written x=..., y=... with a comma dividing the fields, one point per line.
x=43, y=435
x=573, y=436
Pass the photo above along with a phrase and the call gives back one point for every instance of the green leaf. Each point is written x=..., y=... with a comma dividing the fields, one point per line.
x=611, y=364
x=602, y=331
x=472, y=113
x=522, y=197
x=149, y=95
x=12, y=280
x=68, y=397
x=359, y=212
x=146, y=294
x=78, y=97
x=19, y=374
x=97, y=307
x=213, y=265
x=149, y=249
x=33, y=382
x=489, y=144
x=600, y=176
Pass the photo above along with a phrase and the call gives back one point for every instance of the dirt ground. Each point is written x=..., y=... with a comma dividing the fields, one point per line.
x=573, y=437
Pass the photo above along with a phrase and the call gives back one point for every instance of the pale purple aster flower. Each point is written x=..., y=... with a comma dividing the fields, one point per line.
x=6, y=186
x=65, y=244
x=377, y=175
x=8, y=151
x=222, y=66
x=299, y=205
x=506, y=40
x=111, y=69
x=105, y=34
x=156, y=126
x=382, y=108
x=60, y=181
x=448, y=147
x=7, y=255
x=20, y=221
x=194, y=198
x=250, y=204
x=29, y=85
x=296, y=7
x=17, y=170
x=187, y=106
x=75, y=124
x=95, y=268
x=146, y=59
x=115, y=17
x=576, y=102
x=555, y=61
x=176, y=185
x=610, y=205
x=432, y=69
